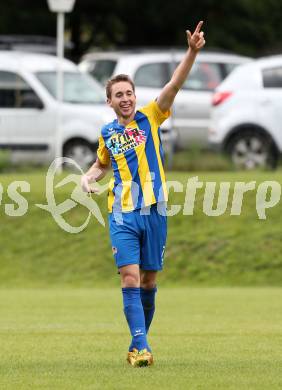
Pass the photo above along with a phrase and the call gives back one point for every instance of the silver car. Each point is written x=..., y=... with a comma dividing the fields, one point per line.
x=151, y=70
x=247, y=114
x=33, y=125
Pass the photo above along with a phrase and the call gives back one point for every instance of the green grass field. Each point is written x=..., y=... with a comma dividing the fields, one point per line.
x=203, y=338
x=61, y=319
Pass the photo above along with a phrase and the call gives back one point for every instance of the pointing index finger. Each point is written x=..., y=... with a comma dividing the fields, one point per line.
x=199, y=26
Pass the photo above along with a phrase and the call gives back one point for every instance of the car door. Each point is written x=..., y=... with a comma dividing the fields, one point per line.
x=25, y=124
x=192, y=106
x=270, y=102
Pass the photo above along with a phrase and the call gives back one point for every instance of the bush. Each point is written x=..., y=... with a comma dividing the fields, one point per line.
x=196, y=159
x=5, y=160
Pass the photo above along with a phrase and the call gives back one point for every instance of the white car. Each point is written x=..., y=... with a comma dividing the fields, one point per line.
x=247, y=114
x=151, y=70
x=29, y=109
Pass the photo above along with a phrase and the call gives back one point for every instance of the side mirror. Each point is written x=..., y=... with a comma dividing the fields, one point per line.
x=30, y=100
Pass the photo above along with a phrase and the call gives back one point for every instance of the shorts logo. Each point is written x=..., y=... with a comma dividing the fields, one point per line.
x=129, y=139
x=162, y=256
x=114, y=249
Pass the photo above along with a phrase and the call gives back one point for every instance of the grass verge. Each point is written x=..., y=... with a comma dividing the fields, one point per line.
x=205, y=250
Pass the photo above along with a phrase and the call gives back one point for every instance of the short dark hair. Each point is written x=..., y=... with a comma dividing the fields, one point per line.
x=117, y=79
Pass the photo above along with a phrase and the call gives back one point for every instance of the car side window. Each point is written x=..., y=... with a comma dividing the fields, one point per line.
x=272, y=77
x=204, y=76
x=103, y=70
x=154, y=75
x=16, y=93
x=229, y=67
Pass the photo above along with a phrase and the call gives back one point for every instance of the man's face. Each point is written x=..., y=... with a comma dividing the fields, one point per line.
x=123, y=99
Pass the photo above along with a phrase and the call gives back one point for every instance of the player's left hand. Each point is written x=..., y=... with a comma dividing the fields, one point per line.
x=85, y=184
x=196, y=40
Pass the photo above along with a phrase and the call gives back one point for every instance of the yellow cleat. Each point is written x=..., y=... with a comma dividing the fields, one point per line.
x=131, y=356
x=141, y=358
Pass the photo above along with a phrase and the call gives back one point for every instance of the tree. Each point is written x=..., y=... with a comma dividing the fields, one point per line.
x=251, y=27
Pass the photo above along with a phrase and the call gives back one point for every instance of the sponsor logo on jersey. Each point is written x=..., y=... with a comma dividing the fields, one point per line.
x=129, y=139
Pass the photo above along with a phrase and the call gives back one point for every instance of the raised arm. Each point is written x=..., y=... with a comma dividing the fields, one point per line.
x=195, y=42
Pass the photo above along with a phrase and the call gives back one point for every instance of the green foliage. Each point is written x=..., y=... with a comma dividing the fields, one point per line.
x=4, y=160
x=251, y=27
x=196, y=160
x=27, y=17
x=201, y=339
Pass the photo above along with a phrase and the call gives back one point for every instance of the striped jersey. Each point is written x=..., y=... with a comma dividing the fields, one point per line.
x=136, y=155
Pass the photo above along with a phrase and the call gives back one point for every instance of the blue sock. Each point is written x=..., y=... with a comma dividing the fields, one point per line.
x=148, y=302
x=134, y=314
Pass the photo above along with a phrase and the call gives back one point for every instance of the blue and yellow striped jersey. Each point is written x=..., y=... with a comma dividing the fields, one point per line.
x=136, y=156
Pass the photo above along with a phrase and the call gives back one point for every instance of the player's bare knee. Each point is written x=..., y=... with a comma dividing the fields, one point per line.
x=148, y=279
x=130, y=280
x=148, y=285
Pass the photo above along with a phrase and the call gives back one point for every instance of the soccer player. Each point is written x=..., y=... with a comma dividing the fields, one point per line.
x=137, y=197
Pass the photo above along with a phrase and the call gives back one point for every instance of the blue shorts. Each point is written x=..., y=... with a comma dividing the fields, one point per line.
x=139, y=237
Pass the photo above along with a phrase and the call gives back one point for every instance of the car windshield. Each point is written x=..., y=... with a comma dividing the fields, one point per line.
x=78, y=88
x=103, y=69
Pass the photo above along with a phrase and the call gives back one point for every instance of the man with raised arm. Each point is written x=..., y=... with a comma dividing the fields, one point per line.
x=137, y=197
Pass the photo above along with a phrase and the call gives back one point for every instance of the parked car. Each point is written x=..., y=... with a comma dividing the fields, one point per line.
x=32, y=43
x=247, y=114
x=151, y=70
x=29, y=109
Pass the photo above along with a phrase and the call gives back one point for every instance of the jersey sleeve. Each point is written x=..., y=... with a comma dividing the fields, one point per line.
x=102, y=152
x=153, y=111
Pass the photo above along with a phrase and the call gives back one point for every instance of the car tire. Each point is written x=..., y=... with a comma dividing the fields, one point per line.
x=82, y=152
x=252, y=149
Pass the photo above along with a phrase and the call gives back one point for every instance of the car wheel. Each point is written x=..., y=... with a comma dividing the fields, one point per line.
x=250, y=150
x=82, y=152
